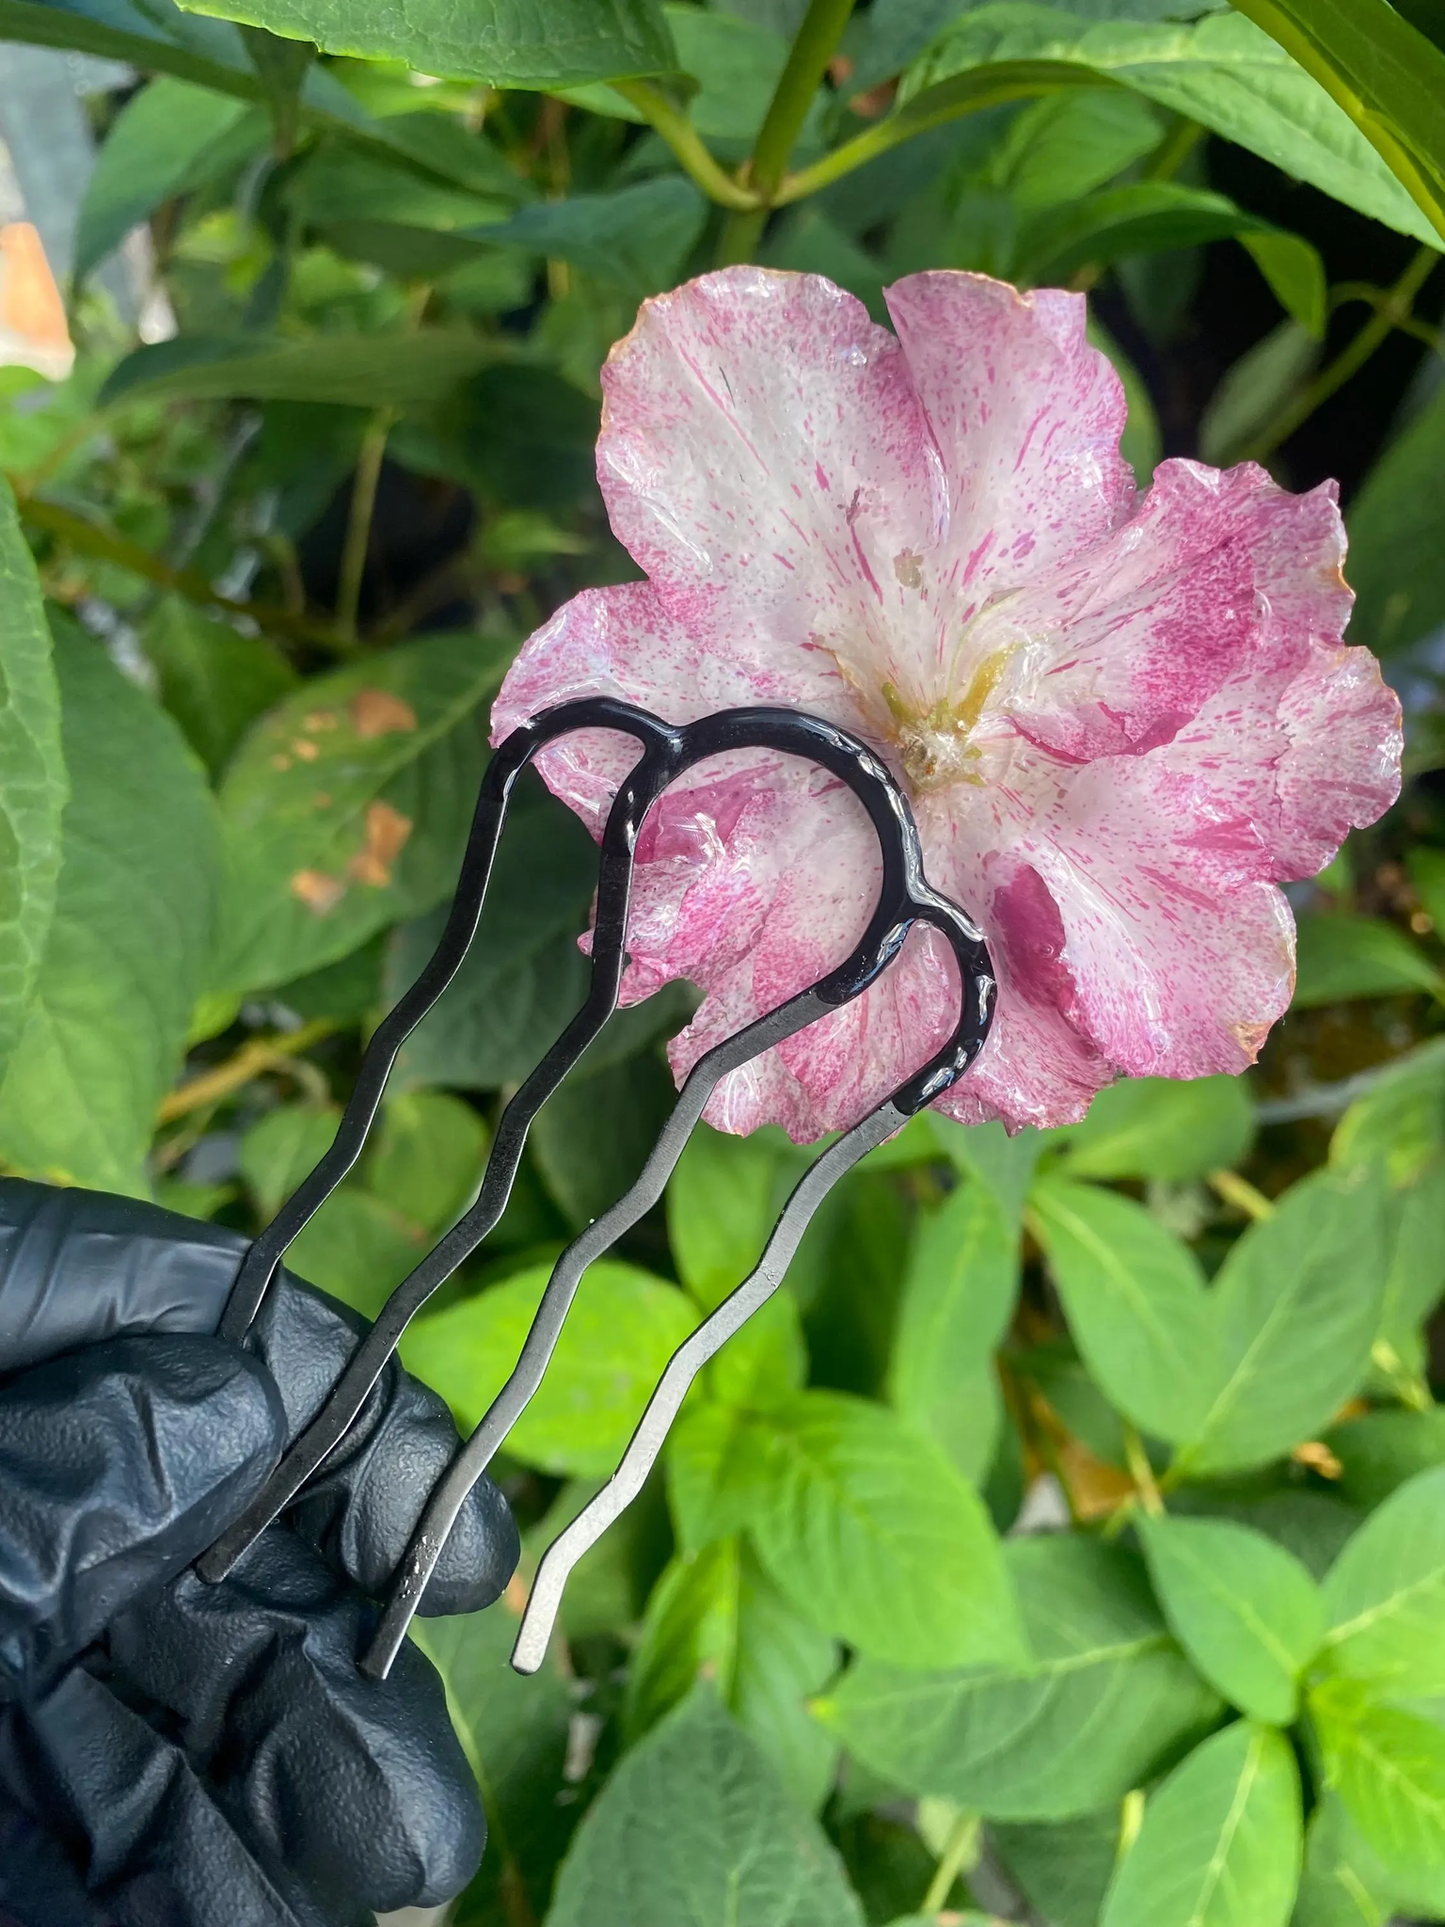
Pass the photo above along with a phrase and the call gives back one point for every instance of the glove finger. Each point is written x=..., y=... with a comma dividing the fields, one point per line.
x=155, y=1848
x=118, y=1465
x=361, y=1787
x=78, y=1267
x=361, y=1507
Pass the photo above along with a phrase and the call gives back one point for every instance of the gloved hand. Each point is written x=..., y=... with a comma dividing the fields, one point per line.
x=174, y=1754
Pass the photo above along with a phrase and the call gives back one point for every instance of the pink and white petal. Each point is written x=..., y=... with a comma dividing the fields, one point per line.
x=1221, y=576
x=764, y=459
x=1026, y=418
x=1342, y=767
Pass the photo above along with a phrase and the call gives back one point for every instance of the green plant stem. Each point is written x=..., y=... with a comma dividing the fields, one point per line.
x=1142, y=1473
x=1239, y=1192
x=105, y=545
x=960, y=1852
x=674, y=127
x=813, y=47
x=358, y=526
x=1174, y=150
x=1393, y=311
x=277, y=1052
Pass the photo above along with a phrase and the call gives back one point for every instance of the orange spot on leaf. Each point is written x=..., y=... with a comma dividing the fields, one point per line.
x=318, y=891
x=376, y=712
x=386, y=833
x=305, y=749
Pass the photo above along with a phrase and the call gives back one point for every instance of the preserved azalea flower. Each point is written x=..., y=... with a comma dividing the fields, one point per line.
x=1123, y=720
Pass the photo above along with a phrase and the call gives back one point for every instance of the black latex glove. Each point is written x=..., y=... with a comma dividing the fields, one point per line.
x=174, y=1754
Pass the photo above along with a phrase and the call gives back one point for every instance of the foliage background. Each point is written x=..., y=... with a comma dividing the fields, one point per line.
x=1067, y=1542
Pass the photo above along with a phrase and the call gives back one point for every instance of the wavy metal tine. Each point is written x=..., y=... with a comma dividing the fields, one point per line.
x=451, y=1491
x=330, y=1424
x=682, y=1368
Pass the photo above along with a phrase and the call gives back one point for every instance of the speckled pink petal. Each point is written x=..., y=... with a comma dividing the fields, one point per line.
x=1341, y=769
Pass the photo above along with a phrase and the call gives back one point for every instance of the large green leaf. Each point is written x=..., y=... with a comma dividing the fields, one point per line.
x=350, y=370
x=1105, y=1702
x=348, y=806
x=169, y=139
x=1385, y=1594
x=721, y=1203
x=1343, y=957
x=1136, y=1304
x=1221, y=1841
x=868, y=1528
x=1158, y=1127
x=213, y=679
x=1297, y=1303
x=511, y=43
x=1246, y=1611
x=638, y=236
x=426, y=1157
x=1223, y=72
x=514, y=1731
x=123, y=962
x=621, y=1331
x=1397, y=554
x=32, y=779
x=1380, y=1450
x=1388, y=1767
x=358, y=1248
x=1065, y=1868
x=1389, y=78
x=695, y=1826
x=1343, y=1884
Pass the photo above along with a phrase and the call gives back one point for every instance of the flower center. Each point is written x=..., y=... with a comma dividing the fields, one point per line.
x=934, y=744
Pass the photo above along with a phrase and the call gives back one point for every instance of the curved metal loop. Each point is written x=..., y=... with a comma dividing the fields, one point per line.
x=904, y=898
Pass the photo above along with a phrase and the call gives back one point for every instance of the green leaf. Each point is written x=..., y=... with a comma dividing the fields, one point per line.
x=620, y=1332
x=695, y=1826
x=1385, y=1594
x=986, y=1152
x=213, y=679
x=169, y=139
x=1381, y=1450
x=1221, y=1841
x=1136, y=1304
x=349, y=370
x=427, y=1156
x=1158, y=1127
x=1343, y=957
x=721, y=1203
x=357, y=1248
x=511, y=43
x=962, y=1281
x=637, y=236
x=1106, y=1701
x=1416, y=1277
x=1388, y=1768
x=1343, y=1884
x=33, y=782
x=1386, y=76
x=869, y=1530
x=1399, y=1123
x=348, y=806
x=1139, y=217
x=1246, y=1611
x=593, y=1137
x=1297, y=1304
x=1255, y=389
x=764, y=1364
x=1063, y=1869
x=123, y=960
x=1060, y=149
x=719, y=1468
x=1223, y=72
x=514, y=1732
x=280, y=1149
x=155, y=36
x=1295, y=271
x=1397, y=559
x=716, y=1615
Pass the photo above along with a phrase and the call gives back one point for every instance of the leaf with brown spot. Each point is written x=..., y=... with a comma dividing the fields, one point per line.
x=377, y=712
x=386, y=833
x=319, y=892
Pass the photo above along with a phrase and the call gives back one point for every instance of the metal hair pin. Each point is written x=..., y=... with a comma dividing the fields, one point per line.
x=904, y=899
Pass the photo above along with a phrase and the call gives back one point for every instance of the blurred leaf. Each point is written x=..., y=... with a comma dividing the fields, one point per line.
x=636, y=236
x=511, y=43
x=514, y=1732
x=1415, y=1280
x=1295, y=271
x=1400, y=1123
x=1138, y=217
x=33, y=782
x=1381, y=1450
x=963, y=1278
x=524, y=436
x=715, y=1615
x=620, y=1332
x=1388, y=1768
x=1221, y=1841
x=718, y=1470
x=764, y=1364
x=346, y=991
x=1158, y=1127
x=871, y=1532
x=1255, y=389
x=1343, y=957
x=339, y=183
x=1385, y=1594
x=1063, y=1869
x=352, y=370
x=213, y=679
x=695, y=1825
x=1246, y=1611
x=592, y=1138
x=721, y=1203
x=1335, y=1889
x=1397, y=555
x=170, y=138
x=357, y=1248
x=134, y=911
x=1106, y=1701
x=1388, y=78
x=1223, y=72
x=281, y=1147
x=1142, y=443
x=426, y=1160
x=154, y=36
x=1297, y=1305
x=986, y=1151
x=348, y=806
x=807, y=242
x=1136, y=1304
x=1061, y=148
